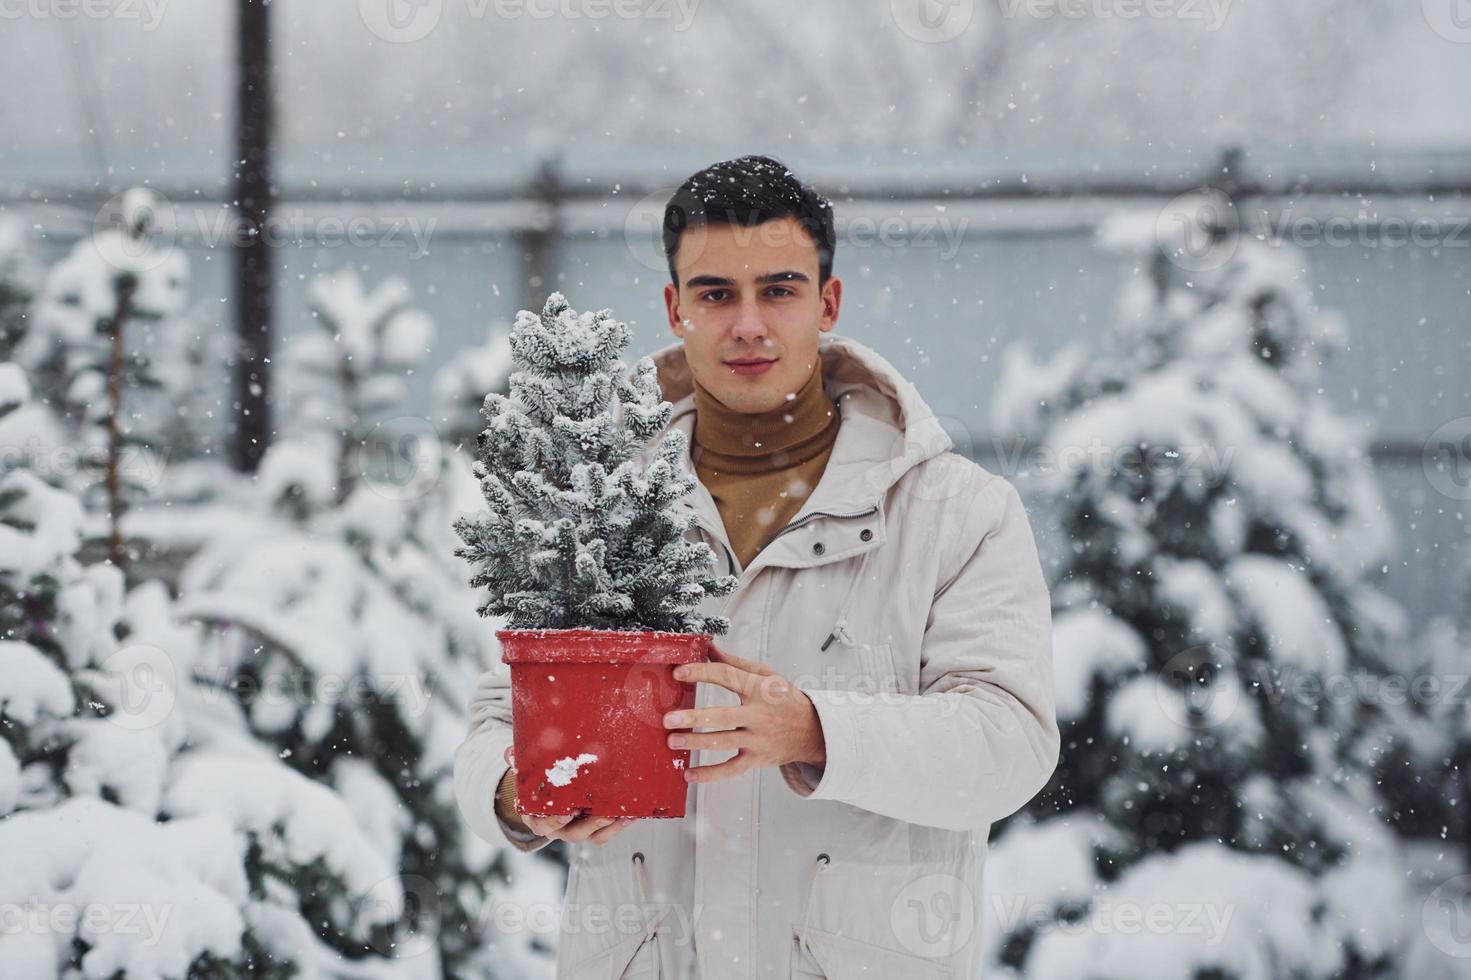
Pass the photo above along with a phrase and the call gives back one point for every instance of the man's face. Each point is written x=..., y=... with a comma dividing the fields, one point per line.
x=750, y=294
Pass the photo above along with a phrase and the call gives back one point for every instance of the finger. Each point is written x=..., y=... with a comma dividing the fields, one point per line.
x=612, y=830
x=729, y=677
x=579, y=830
x=725, y=716
x=510, y=756
x=545, y=826
x=754, y=666
x=735, y=738
x=731, y=767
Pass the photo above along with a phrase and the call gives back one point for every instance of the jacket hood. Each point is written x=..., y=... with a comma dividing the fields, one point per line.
x=887, y=427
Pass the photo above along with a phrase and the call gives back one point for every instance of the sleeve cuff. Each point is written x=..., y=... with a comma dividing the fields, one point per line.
x=517, y=836
x=834, y=780
x=516, y=831
x=802, y=777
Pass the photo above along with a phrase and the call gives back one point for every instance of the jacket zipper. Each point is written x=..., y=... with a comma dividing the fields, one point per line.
x=840, y=629
x=807, y=517
x=730, y=558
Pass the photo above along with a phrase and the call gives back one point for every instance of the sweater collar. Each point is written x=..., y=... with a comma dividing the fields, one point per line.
x=888, y=428
x=807, y=414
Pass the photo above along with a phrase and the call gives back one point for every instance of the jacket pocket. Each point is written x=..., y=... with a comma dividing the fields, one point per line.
x=635, y=958
x=610, y=885
x=819, y=954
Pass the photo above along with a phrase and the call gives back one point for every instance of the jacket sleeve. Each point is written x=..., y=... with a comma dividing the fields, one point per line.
x=480, y=762
x=981, y=737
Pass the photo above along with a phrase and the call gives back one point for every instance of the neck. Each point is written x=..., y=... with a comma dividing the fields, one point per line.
x=803, y=416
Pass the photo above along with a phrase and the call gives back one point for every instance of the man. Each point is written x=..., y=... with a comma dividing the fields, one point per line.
x=885, y=691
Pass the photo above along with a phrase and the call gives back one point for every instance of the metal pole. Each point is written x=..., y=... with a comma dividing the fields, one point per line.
x=252, y=198
x=537, y=244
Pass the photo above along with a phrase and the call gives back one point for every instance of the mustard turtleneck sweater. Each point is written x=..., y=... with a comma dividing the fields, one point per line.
x=759, y=467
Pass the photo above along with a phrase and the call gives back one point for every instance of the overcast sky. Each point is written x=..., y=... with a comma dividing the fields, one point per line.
x=456, y=83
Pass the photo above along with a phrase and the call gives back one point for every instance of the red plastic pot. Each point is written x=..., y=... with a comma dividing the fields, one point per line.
x=587, y=719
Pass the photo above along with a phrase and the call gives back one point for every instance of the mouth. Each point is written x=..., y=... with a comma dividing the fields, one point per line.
x=751, y=367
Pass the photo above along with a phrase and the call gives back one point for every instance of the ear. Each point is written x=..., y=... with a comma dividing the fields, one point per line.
x=671, y=309
x=832, y=301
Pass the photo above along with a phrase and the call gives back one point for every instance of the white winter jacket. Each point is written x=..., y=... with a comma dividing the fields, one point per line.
x=907, y=600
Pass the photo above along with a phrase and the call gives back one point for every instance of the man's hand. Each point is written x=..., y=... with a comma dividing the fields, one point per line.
x=774, y=724
x=573, y=828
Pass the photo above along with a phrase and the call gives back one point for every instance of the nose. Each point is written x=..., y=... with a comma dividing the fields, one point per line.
x=749, y=326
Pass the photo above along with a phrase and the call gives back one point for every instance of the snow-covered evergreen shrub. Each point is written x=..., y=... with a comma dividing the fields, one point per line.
x=346, y=376
x=142, y=834
x=1223, y=532
x=1420, y=750
x=578, y=534
x=128, y=375
x=115, y=351
x=342, y=636
x=20, y=279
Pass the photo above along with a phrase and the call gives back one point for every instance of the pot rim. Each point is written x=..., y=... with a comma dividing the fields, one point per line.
x=602, y=646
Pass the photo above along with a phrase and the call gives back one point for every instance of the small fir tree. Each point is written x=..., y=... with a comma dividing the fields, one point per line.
x=579, y=533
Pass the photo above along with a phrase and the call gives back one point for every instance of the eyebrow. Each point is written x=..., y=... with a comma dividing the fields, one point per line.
x=786, y=275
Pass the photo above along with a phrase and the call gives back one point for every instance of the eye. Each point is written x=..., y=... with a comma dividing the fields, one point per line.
x=781, y=291
x=713, y=295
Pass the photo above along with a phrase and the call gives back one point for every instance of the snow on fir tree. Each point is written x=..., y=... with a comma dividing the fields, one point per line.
x=20, y=279
x=1422, y=756
x=347, y=374
x=114, y=350
x=580, y=533
x=139, y=840
x=1223, y=533
x=342, y=637
x=1421, y=749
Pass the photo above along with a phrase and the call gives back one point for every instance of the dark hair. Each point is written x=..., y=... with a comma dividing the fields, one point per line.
x=749, y=191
